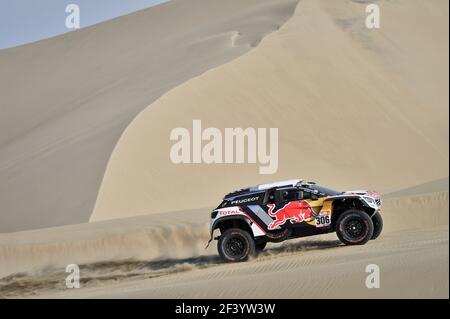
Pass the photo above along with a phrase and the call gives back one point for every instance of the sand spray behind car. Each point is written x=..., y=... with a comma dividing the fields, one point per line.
x=150, y=251
x=133, y=254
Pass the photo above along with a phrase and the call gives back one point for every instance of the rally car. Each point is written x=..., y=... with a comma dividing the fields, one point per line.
x=250, y=218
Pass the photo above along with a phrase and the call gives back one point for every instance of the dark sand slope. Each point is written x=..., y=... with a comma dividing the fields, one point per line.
x=65, y=101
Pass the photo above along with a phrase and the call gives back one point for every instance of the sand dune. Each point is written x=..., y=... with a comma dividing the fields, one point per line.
x=163, y=249
x=440, y=185
x=356, y=108
x=66, y=100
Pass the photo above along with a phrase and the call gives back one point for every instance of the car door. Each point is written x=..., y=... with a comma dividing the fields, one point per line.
x=322, y=217
x=314, y=200
x=288, y=209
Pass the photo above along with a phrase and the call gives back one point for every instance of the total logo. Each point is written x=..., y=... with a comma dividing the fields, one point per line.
x=231, y=211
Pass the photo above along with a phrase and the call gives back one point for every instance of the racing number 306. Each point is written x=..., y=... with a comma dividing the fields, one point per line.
x=322, y=220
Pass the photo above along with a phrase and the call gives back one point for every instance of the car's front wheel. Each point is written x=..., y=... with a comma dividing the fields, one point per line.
x=354, y=227
x=235, y=245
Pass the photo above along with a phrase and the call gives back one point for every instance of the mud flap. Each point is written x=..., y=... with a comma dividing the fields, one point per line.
x=211, y=239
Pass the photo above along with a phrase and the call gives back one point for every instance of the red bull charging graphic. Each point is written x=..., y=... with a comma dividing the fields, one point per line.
x=295, y=212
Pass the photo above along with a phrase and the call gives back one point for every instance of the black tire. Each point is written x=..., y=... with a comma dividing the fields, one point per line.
x=236, y=245
x=260, y=246
x=377, y=225
x=354, y=227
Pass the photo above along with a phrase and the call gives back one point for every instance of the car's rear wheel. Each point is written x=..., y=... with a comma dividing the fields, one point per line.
x=235, y=245
x=354, y=227
x=377, y=225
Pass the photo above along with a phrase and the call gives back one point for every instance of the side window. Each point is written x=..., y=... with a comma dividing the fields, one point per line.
x=289, y=195
x=311, y=195
x=306, y=195
x=284, y=195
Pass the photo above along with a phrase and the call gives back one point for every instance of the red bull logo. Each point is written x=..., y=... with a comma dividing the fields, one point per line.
x=296, y=211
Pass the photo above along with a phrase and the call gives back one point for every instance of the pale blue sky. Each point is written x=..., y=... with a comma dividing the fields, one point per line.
x=24, y=21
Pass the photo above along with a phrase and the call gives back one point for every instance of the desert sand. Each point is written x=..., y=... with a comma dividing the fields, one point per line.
x=85, y=137
x=66, y=100
x=164, y=256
